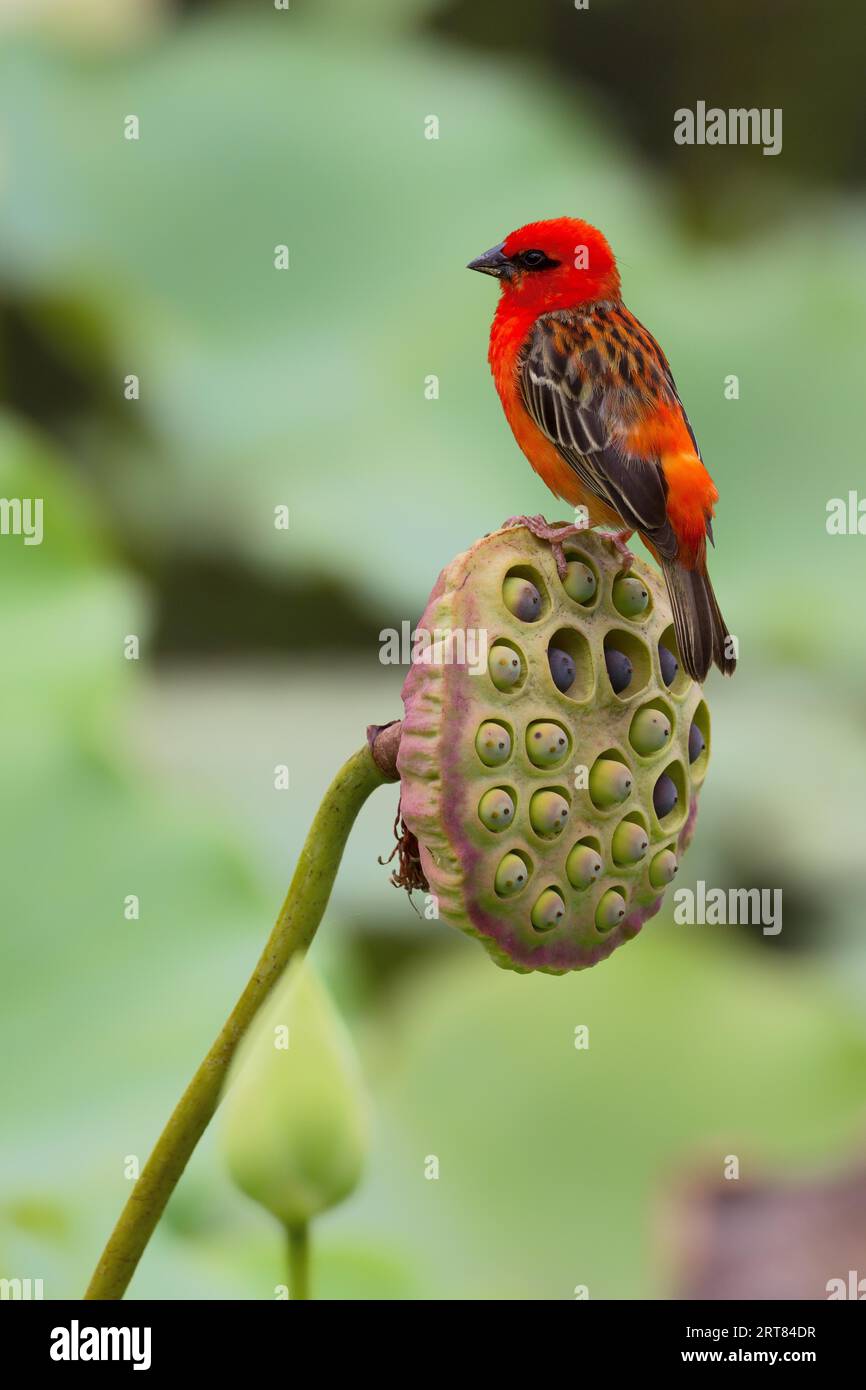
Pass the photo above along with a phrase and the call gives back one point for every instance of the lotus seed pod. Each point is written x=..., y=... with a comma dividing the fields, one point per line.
x=663, y=868
x=522, y=598
x=629, y=844
x=609, y=782
x=295, y=1127
x=562, y=669
x=669, y=665
x=579, y=582
x=610, y=910
x=665, y=796
x=505, y=666
x=650, y=731
x=549, y=911
x=493, y=744
x=619, y=669
x=546, y=744
x=548, y=813
x=469, y=838
x=697, y=743
x=496, y=809
x=630, y=596
x=511, y=876
x=583, y=866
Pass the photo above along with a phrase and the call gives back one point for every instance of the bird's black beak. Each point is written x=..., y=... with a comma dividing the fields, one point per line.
x=493, y=262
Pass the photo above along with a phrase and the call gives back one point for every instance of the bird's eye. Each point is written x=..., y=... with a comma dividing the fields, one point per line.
x=535, y=260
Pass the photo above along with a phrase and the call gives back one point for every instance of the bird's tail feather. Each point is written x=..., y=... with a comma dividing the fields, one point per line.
x=702, y=637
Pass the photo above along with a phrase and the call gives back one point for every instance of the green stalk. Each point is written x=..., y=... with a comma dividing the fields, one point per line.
x=298, y=1239
x=295, y=928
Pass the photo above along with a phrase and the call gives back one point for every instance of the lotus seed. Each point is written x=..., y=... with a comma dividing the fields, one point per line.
x=609, y=782
x=650, y=731
x=697, y=743
x=546, y=744
x=665, y=796
x=579, y=582
x=629, y=844
x=548, y=813
x=610, y=910
x=548, y=911
x=562, y=668
x=496, y=809
x=630, y=597
x=493, y=744
x=505, y=666
x=669, y=665
x=522, y=598
x=619, y=669
x=510, y=876
x=583, y=866
x=663, y=868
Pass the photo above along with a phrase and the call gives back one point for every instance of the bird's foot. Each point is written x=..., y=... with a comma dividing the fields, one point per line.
x=618, y=541
x=554, y=533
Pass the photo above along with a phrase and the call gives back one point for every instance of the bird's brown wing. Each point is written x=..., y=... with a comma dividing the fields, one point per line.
x=579, y=371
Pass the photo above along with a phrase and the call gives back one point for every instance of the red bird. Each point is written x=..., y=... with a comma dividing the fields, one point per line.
x=593, y=405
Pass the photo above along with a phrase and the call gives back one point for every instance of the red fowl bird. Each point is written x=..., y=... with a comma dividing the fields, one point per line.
x=593, y=405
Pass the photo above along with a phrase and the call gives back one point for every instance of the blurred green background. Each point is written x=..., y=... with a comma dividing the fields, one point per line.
x=259, y=646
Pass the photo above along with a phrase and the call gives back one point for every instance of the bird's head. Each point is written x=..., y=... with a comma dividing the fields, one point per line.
x=553, y=265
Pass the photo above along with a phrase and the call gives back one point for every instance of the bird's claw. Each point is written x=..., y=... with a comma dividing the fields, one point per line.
x=555, y=534
x=618, y=541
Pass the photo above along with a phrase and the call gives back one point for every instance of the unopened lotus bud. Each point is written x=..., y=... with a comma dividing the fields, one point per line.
x=650, y=731
x=669, y=665
x=496, y=809
x=665, y=796
x=564, y=879
x=630, y=596
x=619, y=669
x=610, y=782
x=295, y=1124
x=663, y=868
x=505, y=666
x=579, y=582
x=610, y=910
x=562, y=669
x=697, y=743
x=546, y=743
x=522, y=598
x=548, y=813
x=511, y=876
x=549, y=910
x=493, y=744
x=583, y=866
x=629, y=844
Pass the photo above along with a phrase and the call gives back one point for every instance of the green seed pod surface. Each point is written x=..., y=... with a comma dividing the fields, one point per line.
x=294, y=1123
x=450, y=792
